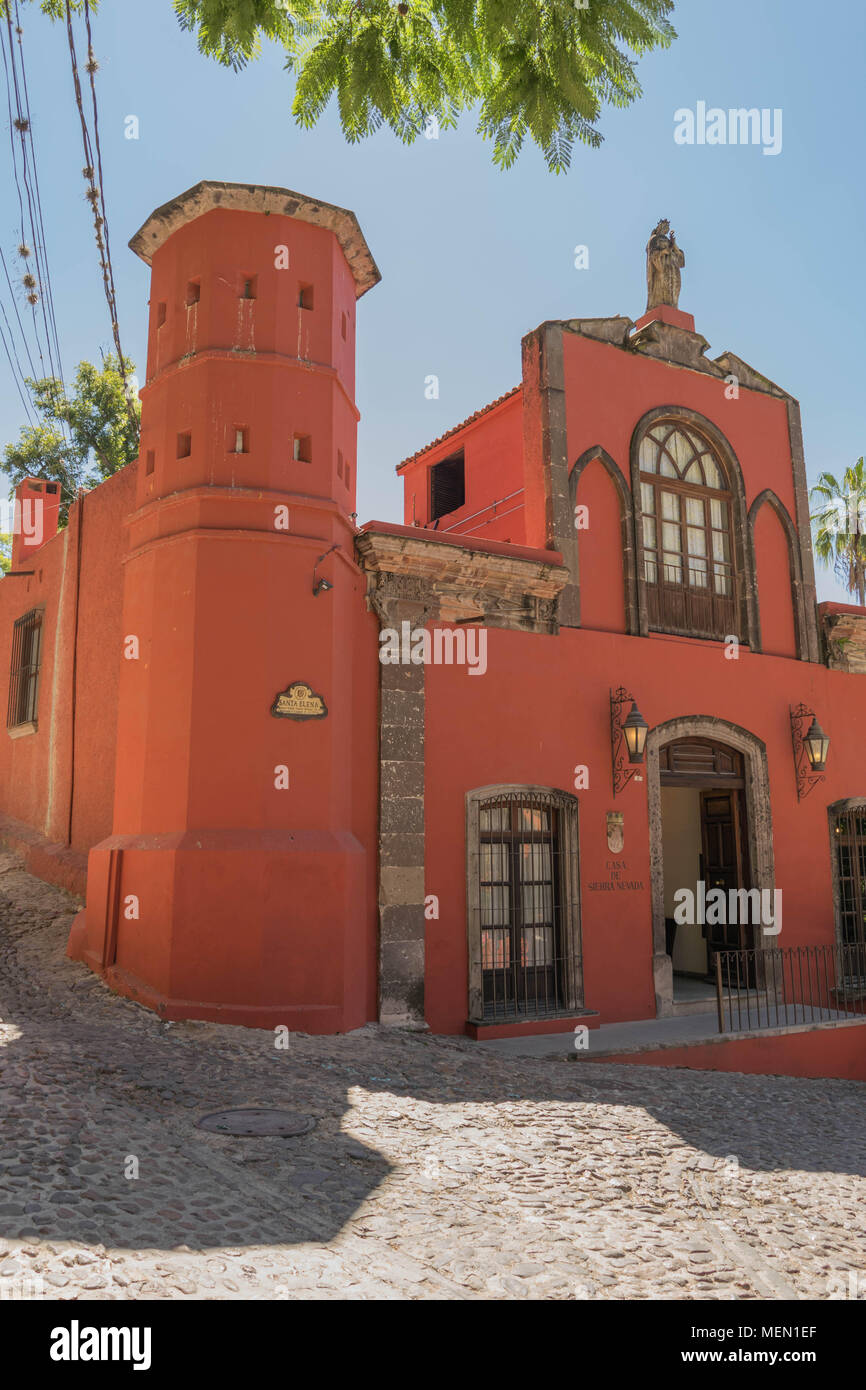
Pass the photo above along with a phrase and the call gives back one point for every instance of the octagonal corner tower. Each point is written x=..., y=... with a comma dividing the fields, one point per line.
x=238, y=883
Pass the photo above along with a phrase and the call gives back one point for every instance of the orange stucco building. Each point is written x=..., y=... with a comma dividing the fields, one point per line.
x=317, y=774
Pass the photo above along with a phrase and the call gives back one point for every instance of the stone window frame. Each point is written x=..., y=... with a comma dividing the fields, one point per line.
x=744, y=567
x=568, y=807
x=835, y=808
x=759, y=820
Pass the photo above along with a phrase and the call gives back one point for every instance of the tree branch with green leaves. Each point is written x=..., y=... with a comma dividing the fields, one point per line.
x=533, y=70
x=84, y=433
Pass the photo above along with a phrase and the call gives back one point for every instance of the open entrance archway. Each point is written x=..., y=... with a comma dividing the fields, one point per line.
x=709, y=816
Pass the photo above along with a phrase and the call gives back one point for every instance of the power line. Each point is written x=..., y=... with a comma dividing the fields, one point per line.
x=14, y=301
x=20, y=386
x=38, y=288
x=38, y=226
x=18, y=123
x=95, y=196
x=33, y=371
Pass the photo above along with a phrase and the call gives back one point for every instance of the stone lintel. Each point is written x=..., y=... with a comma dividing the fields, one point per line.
x=459, y=584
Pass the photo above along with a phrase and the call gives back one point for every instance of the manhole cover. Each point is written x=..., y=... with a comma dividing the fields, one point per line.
x=256, y=1122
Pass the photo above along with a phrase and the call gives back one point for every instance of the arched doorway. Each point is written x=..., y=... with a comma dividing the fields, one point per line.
x=710, y=828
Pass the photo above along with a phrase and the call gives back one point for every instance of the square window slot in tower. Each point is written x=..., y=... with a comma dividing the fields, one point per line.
x=184, y=445
x=193, y=292
x=149, y=461
x=302, y=450
x=305, y=296
x=239, y=439
x=160, y=315
x=249, y=287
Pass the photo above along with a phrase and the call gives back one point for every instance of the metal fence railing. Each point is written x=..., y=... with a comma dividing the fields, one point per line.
x=796, y=984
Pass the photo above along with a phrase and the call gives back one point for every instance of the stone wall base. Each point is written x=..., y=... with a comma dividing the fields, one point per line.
x=54, y=863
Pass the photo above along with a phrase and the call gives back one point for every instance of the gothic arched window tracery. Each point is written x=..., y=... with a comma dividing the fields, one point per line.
x=686, y=520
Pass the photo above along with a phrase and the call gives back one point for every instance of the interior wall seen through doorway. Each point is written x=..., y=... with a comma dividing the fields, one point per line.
x=681, y=837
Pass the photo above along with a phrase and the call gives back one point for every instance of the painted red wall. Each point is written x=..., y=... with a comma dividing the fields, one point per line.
x=543, y=706
x=35, y=770
x=250, y=901
x=493, y=446
x=602, y=582
x=260, y=906
x=544, y=703
x=823, y=1052
x=773, y=563
x=35, y=520
x=609, y=389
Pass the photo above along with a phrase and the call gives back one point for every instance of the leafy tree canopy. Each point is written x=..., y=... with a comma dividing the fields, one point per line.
x=542, y=69
x=98, y=439
x=534, y=68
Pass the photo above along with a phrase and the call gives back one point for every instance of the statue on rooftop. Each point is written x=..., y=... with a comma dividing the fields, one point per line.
x=664, y=260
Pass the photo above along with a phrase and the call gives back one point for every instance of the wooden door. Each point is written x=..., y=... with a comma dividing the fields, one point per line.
x=723, y=866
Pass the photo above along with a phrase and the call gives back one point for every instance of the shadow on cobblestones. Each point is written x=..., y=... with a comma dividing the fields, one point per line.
x=99, y=1146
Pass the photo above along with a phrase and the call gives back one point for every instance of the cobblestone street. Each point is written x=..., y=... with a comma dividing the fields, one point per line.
x=435, y=1169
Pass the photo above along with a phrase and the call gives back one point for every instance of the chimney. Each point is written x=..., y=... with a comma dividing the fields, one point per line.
x=35, y=519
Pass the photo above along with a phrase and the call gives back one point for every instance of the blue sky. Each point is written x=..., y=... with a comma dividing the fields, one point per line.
x=470, y=254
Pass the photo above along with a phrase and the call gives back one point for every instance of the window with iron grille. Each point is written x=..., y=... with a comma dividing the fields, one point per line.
x=848, y=830
x=24, y=674
x=524, y=927
x=686, y=517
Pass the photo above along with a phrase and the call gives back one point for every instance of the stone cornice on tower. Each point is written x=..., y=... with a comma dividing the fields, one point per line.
x=247, y=197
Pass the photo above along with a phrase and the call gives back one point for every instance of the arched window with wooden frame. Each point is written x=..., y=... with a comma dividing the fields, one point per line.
x=688, y=512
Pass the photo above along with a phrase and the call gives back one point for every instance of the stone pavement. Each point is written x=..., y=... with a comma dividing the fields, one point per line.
x=436, y=1169
x=651, y=1034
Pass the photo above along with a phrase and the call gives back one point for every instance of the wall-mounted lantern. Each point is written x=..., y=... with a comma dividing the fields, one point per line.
x=811, y=746
x=627, y=738
x=817, y=746
x=635, y=730
x=321, y=586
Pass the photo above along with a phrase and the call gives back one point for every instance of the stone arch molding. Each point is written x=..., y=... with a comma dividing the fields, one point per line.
x=745, y=562
x=770, y=498
x=626, y=513
x=758, y=817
